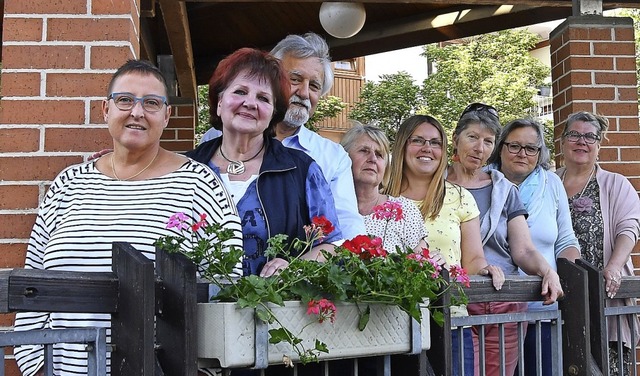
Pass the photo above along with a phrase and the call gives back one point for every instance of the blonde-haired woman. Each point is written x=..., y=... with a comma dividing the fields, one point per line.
x=418, y=166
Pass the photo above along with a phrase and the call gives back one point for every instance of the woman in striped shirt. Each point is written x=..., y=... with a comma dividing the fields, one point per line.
x=124, y=196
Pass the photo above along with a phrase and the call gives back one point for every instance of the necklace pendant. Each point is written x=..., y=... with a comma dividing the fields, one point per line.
x=235, y=167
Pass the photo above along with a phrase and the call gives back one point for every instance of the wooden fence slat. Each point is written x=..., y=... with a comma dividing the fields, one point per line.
x=61, y=291
x=176, y=329
x=576, y=347
x=598, y=322
x=132, y=326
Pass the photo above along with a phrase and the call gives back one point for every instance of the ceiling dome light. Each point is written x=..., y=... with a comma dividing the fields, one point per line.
x=342, y=20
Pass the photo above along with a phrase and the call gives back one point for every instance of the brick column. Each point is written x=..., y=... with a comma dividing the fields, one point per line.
x=58, y=57
x=593, y=69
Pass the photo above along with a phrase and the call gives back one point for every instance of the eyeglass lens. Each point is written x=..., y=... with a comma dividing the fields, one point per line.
x=126, y=101
x=419, y=141
x=515, y=148
x=589, y=138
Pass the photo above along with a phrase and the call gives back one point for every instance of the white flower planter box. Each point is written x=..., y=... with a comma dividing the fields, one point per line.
x=229, y=337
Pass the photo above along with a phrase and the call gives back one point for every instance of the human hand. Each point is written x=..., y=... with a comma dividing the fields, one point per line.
x=438, y=258
x=274, y=266
x=496, y=273
x=99, y=154
x=551, y=288
x=612, y=278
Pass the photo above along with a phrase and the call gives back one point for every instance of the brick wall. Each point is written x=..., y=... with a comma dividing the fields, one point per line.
x=58, y=57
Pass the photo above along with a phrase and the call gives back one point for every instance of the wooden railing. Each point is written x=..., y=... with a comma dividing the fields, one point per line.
x=136, y=292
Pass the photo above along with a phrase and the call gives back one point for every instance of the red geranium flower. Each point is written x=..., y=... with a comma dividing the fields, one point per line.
x=365, y=246
x=324, y=308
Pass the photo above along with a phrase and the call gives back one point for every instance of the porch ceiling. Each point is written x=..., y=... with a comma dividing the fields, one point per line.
x=198, y=33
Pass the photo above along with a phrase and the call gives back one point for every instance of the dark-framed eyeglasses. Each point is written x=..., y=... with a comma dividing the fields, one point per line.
x=574, y=136
x=434, y=143
x=480, y=107
x=126, y=101
x=514, y=148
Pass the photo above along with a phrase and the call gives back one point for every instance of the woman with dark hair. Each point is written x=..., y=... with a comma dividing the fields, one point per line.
x=522, y=156
x=277, y=190
x=504, y=232
x=126, y=195
x=605, y=211
x=450, y=214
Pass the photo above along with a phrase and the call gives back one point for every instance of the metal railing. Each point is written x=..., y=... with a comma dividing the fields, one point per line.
x=94, y=338
x=139, y=297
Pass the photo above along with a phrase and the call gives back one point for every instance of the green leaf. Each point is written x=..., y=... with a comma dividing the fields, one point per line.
x=321, y=346
x=364, y=318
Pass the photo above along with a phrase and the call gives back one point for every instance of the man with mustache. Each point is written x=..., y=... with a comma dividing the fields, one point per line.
x=306, y=59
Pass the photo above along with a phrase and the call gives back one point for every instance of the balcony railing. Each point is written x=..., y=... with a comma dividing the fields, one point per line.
x=168, y=293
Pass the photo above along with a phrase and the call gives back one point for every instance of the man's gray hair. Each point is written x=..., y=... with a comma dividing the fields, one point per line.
x=305, y=46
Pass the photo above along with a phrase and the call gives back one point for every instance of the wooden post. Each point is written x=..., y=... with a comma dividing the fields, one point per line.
x=132, y=325
x=176, y=329
x=576, y=331
x=597, y=322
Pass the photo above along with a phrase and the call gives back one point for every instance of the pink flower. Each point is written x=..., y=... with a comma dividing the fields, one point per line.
x=201, y=223
x=179, y=221
x=388, y=210
x=582, y=204
x=459, y=274
x=324, y=308
x=320, y=227
x=421, y=256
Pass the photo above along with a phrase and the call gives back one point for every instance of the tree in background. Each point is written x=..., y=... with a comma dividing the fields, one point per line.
x=328, y=107
x=388, y=102
x=493, y=68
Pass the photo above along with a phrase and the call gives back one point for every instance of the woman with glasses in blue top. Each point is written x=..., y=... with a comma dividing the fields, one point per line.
x=524, y=159
x=605, y=211
x=503, y=228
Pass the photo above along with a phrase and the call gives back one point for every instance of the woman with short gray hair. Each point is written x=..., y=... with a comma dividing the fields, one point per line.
x=523, y=158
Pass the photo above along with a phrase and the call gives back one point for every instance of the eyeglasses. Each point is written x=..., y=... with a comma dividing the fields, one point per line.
x=478, y=107
x=589, y=138
x=126, y=101
x=514, y=148
x=435, y=143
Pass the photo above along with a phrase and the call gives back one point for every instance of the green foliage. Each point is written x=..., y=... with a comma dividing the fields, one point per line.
x=360, y=271
x=388, y=102
x=493, y=68
x=203, y=124
x=328, y=107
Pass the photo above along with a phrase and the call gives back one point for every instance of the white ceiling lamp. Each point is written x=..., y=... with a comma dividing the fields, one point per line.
x=342, y=20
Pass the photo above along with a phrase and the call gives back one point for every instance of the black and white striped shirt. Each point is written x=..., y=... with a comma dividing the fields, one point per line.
x=84, y=212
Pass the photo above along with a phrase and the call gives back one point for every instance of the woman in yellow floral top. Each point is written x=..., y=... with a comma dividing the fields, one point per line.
x=418, y=166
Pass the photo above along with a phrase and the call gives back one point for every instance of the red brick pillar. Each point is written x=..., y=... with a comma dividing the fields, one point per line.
x=57, y=58
x=593, y=67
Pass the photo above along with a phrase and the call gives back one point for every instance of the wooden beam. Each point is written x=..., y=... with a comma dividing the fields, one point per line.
x=542, y=3
x=427, y=28
x=57, y=291
x=176, y=23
